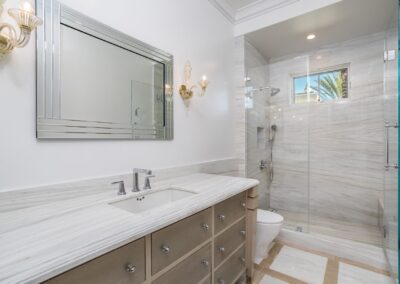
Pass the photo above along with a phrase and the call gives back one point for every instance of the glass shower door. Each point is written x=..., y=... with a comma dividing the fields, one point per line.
x=389, y=218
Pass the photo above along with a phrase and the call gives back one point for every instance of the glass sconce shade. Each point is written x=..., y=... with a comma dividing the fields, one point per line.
x=25, y=19
x=27, y=22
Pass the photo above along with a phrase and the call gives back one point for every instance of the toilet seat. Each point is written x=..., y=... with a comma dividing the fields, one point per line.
x=268, y=217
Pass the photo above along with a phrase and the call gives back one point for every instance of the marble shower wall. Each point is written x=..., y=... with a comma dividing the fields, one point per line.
x=328, y=157
x=240, y=113
x=257, y=121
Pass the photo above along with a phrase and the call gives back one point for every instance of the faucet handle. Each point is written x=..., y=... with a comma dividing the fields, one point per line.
x=121, y=188
x=147, y=181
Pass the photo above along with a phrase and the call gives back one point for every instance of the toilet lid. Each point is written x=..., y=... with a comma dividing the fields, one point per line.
x=268, y=217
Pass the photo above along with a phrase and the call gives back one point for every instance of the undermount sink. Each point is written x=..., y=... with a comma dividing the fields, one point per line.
x=152, y=200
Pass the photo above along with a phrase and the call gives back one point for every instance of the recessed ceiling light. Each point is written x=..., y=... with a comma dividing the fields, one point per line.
x=311, y=36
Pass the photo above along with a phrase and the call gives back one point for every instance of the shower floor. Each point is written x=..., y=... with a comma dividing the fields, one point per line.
x=335, y=228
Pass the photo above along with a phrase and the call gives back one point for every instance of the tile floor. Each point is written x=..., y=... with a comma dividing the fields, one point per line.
x=288, y=264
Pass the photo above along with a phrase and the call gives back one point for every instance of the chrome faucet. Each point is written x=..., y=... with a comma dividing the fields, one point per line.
x=136, y=173
x=121, y=187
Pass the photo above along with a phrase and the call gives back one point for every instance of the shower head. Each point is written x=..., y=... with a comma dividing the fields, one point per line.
x=272, y=91
x=275, y=91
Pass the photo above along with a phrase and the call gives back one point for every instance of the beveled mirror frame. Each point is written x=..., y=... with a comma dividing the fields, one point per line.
x=49, y=124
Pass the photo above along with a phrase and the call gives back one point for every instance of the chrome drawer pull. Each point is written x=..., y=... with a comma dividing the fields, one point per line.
x=221, y=249
x=205, y=263
x=242, y=259
x=130, y=268
x=244, y=204
x=165, y=249
x=221, y=217
x=243, y=233
x=205, y=226
x=221, y=281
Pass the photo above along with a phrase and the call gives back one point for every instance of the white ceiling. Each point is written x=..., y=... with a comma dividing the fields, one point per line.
x=338, y=22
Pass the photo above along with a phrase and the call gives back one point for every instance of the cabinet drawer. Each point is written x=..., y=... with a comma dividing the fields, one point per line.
x=110, y=268
x=229, y=211
x=228, y=272
x=191, y=270
x=229, y=241
x=174, y=241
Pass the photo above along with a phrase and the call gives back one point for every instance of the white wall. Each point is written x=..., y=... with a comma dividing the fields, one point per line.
x=204, y=131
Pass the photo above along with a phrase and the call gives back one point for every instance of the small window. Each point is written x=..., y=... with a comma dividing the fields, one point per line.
x=321, y=87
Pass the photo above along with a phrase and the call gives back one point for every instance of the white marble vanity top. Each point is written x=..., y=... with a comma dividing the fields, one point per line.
x=37, y=243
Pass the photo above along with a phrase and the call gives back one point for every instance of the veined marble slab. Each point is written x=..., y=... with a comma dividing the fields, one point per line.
x=15, y=199
x=57, y=237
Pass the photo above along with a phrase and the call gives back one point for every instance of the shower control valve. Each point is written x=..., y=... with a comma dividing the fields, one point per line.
x=263, y=164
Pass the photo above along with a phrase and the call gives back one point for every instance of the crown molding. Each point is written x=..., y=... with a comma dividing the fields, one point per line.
x=259, y=8
x=248, y=12
x=225, y=8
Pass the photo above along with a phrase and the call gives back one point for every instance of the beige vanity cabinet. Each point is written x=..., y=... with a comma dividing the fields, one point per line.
x=174, y=241
x=121, y=266
x=211, y=246
x=229, y=211
x=194, y=269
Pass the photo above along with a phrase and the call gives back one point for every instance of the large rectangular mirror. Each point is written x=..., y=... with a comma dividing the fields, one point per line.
x=98, y=83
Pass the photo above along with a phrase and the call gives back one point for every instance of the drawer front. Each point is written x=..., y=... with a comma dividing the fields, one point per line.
x=174, y=241
x=206, y=281
x=191, y=270
x=231, y=269
x=229, y=241
x=229, y=211
x=110, y=268
x=242, y=279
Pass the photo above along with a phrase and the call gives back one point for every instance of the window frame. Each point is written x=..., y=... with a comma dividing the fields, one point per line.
x=319, y=71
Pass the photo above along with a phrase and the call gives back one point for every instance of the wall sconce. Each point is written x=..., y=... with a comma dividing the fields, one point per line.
x=186, y=90
x=27, y=22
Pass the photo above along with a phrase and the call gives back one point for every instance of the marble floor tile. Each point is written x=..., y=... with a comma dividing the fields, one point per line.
x=301, y=265
x=271, y=280
x=349, y=274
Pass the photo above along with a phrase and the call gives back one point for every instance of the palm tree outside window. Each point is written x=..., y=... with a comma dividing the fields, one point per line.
x=320, y=87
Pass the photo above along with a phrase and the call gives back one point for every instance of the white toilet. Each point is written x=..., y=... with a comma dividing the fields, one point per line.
x=268, y=227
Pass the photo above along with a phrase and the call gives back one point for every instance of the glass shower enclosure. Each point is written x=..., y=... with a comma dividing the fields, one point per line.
x=325, y=146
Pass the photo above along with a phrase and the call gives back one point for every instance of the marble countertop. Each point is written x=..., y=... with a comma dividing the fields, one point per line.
x=37, y=243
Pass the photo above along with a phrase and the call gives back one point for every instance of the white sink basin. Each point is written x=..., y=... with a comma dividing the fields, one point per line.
x=152, y=200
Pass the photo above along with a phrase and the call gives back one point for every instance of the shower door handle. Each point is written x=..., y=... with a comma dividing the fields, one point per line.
x=387, y=145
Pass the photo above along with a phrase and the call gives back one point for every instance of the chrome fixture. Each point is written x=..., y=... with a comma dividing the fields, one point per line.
x=26, y=20
x=136, y=173
x=121, y=187
x=273, y=91
x=130, y=268
x=263, y=164
x=147, y=181
x=388, y=165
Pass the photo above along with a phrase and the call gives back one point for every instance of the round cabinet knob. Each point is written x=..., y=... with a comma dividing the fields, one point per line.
x=221, y=281
x=205, y=262
x=165, y=249
x=242, y=260
x=221, y=217
x=205, y=227
x=130, y=268
x=243, y=204
x=221, y=249
x=243, y=233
